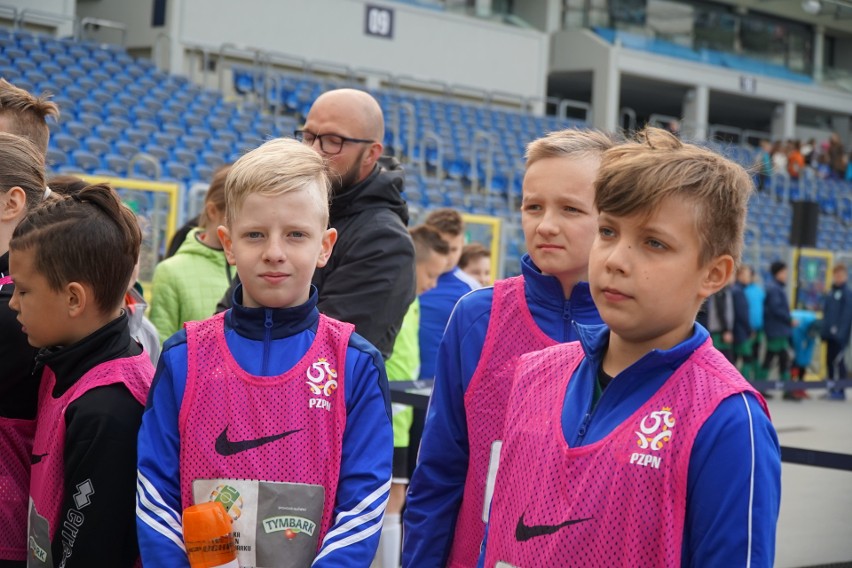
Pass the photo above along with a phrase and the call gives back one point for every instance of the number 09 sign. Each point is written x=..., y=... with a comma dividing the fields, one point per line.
x=378, y=21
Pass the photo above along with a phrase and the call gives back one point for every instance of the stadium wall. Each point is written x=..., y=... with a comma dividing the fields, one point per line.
x=427, y=44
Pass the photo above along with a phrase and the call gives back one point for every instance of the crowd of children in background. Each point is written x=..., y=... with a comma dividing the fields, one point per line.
x=797, y=159
x=752, y=325
x=282, y=414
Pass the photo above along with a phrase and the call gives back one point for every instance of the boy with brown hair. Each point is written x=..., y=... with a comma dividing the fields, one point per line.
x=646, y=445
x=437, y=304
x=430, y=254
x=71, y=260
x=476, y=261
x=278, y=412
x=26, y=115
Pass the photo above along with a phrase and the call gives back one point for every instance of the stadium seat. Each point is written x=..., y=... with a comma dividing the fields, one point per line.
x=64, y=142
x=116, y=163
x=85, y=160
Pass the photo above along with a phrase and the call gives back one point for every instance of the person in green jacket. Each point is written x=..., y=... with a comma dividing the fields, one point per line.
x=187, y=286
x=431, y=253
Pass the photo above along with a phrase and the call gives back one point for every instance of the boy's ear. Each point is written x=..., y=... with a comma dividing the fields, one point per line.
x=328, y=240
x=14, y=204
x=225, y=238
x=717, y=275
x=76, y=298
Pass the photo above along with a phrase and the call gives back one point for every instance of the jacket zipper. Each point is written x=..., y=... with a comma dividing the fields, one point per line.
x=267, y=340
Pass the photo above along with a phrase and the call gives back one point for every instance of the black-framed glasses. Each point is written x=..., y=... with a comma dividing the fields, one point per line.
x=329, y=143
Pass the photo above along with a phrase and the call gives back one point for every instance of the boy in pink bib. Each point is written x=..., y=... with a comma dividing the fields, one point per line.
x=640, y=444
x=276, y=411
x=489, y=329
x=71, y=260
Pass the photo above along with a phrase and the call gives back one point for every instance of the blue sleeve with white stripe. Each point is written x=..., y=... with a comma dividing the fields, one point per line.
x=158, y=505
x=366, y=463
x=734, y=488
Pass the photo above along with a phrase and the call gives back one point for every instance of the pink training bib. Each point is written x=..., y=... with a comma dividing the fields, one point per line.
x=620, y=501
x=511, y=333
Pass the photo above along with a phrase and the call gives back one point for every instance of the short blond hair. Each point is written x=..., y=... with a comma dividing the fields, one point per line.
x=278, y=167
x=27, y=114
x=635, y=177
x=569, y=143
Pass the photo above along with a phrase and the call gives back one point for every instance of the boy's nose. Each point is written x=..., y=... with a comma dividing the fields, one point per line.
x=617, y=258
x=273, y=252
x=547, y=226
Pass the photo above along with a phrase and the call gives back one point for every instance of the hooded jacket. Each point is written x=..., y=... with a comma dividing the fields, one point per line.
x=369, y=279
x=187, y=286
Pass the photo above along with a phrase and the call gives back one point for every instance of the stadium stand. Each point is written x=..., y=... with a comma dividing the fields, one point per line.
x=460, y=154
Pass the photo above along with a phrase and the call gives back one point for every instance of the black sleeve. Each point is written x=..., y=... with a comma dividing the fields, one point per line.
x=100, y=480
x=18, y=387
x=372, y=284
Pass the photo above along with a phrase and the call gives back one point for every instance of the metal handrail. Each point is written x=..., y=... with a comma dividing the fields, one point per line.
x=261, y=63
x=631, y=119
x=143, y=157
x=565, y=104
x=474, y=160
x=11, y=10
x=428, y=136
x=157, y=53
x=220, y=64
x=396, y=119
x=713, y=129
x=22, y=17
x=98, y=23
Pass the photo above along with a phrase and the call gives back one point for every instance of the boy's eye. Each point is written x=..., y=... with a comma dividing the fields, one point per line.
x=298, y=234
x=654, y=243
x=531, y=207
x=254, y=235
x=570, y=209
x=606, y=232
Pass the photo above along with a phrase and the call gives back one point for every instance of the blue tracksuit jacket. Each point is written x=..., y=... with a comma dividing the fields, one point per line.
x=438, y=482
x=267, y=342
x=734, y=480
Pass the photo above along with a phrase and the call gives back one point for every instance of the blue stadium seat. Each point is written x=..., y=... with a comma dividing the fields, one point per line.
x=56, y=158
x=157, y=151
x=96, y=145
x=126, y=149
x=178, y=170
x=65, y=142
x=116, y=163
x=85, y=160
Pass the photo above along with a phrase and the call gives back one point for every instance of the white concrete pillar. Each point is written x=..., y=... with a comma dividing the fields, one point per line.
x=483, y=8
x=696, y=112
x=784, y=121
x=819, y=52
x=606, y=93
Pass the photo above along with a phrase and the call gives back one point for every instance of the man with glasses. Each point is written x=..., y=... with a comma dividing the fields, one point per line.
x=369, y=279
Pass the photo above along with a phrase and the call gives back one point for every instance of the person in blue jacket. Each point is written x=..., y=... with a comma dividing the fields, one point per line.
x=836, y=327
x=279, y=412
x=778, y=325
x=641, y=445
x=437, y=304
x=743, y=333
x=488, y=330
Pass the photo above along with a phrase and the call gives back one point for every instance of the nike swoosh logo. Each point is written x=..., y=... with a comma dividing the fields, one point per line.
x=525, y=532
x=226, y=447
x=36, y=458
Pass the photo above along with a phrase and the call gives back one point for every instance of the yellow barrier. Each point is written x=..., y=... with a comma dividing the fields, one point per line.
x=155, y=234
x=485, y=229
